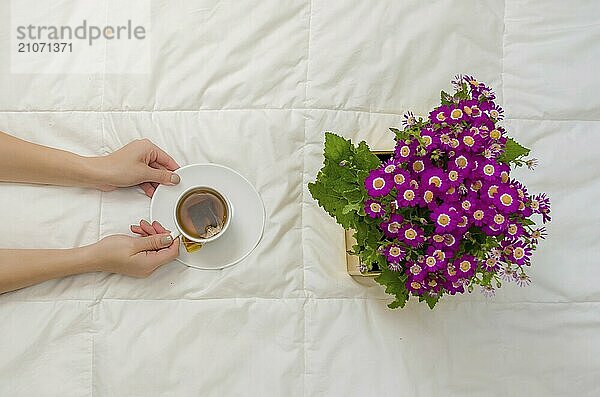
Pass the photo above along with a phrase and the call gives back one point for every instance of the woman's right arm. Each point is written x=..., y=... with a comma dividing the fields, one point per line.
x=131, y=256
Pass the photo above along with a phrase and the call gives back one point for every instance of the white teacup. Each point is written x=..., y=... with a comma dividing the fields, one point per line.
x=205, y=202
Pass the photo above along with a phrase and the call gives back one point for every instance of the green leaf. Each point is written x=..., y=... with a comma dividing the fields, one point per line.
x=336, y=147
x=355, y=196
x=527, y=222
x=339, y=187
x=350, y=207
x=512, y=151
x=332, y=203
x=394, y=285
x=445, y=98
x=432, y=300
x=399, y=135
x=364, y=159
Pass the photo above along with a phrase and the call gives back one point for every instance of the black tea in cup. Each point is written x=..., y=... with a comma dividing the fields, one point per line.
x=202, y=213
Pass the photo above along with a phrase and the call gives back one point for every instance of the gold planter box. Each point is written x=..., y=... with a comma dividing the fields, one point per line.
x=353, y=261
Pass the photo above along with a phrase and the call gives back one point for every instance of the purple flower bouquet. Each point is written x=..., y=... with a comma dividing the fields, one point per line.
x=443, y=213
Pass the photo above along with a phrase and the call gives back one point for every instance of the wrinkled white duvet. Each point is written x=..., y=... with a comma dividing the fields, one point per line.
x=253, y=85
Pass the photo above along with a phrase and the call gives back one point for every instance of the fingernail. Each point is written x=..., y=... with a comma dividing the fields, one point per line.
x=175, y=179
x=166, y=240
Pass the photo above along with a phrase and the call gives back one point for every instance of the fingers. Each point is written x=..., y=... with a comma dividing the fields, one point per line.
x=154, y=259
x=153, y=242
x=148, y=188
x=158, y=166
x=138, y=230
x=162, y=158
x=162, y=176
x=146, y=227
x=159, y=228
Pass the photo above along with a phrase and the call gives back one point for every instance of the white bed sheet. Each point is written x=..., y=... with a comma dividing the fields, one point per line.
x=253, y=85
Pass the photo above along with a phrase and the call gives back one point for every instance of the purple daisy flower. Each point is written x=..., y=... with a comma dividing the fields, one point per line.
x=394, y=266
x=517, y=253
x=392, y=227
x=440, y=115
x=394, y=253
x=450, y=273
x=499, y=220
x=506, y=199
x=451, y=243
x=428, y=199
x=495, y=136
x=466, y=266
x=454, y=287
x=475, y=185
x=504, y=173
x=374, y=209
x=456, y=115
x=469, y=203
x=490, y=170
x=416, y=271
x=430, y=140
x=412, y=235
x=507, y=273
x=488, y=291
x=520, y=189
x=437, y=240
x=408, y=196
x=415, y=287
x=523, y=280
x=435, y=259
x=490, y=264
x=463, y=225
x=495, y=112
x=433, y=283
x=524, y=210
x=520, y=254
x=418, y=165
x=378, y=183
x=538, y=234
x=435, y=179
x=463, y=164
x=409, y=119
x=488, y=192
x=405, y=151
x=445, y=218
x=514, y=231
x=480, y=215
x=390, y=166
x=452, y=195
x=454, y=178
x=543, y=206
x=445, y=140
x=470, y=142
x=401, y=177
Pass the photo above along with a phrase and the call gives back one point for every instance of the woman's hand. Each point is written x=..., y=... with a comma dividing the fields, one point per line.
x=131, y=256
x=136, y=256
x=139, y=163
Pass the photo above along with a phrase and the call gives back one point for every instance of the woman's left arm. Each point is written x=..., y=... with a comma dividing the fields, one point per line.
x=138, y=163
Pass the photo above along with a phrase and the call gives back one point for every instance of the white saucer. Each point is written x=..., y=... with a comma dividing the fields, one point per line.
x=246, y=228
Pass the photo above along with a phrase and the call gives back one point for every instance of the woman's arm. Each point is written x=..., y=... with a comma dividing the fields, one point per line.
x=131, y=256
x=138, y=163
